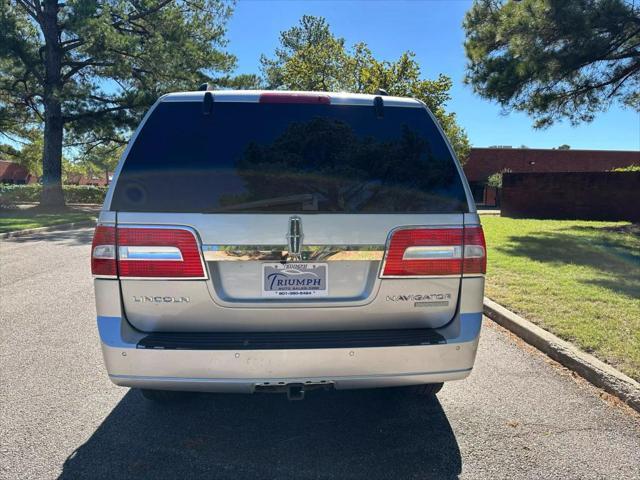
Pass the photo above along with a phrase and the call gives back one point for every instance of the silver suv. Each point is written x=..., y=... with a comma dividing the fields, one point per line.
x=284, y=241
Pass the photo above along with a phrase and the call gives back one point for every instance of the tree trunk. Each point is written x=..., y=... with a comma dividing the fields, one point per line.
x=53, y=123
x=52, y=155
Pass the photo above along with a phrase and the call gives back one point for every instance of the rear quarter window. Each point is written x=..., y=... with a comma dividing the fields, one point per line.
x=257, y=157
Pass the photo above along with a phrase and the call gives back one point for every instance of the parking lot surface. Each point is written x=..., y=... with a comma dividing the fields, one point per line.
x=517, y=416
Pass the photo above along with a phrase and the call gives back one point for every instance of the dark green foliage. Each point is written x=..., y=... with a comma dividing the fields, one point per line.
x=555, y=59
x=88, y=70
x=311, y=57
x=11, y=195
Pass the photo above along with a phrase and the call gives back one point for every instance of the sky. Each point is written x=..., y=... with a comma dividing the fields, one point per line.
x=433, y=31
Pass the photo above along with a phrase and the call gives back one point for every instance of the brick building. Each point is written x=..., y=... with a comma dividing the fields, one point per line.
x=483, y=162
x=96, y=180
x=14, y=173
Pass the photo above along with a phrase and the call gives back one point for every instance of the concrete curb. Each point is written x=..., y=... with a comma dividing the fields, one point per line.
x=73, y=204
x=50, y=228
x=587, y=366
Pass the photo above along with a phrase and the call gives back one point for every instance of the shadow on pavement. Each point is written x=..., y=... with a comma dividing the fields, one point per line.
x=605, y=252
x=348, y=434
x=80, y=236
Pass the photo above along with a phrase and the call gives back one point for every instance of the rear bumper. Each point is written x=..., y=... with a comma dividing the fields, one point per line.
x=243, y=370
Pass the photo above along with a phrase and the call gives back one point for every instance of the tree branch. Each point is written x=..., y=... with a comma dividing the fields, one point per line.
x=78, y=116
x=69, y=45
x=77, y=66
x=141, y=14
x=32, y=10
x=621, y=81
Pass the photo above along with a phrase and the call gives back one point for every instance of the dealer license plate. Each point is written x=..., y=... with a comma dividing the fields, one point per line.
x=295, y=280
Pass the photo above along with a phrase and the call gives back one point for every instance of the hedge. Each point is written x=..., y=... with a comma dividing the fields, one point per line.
x=14, y=194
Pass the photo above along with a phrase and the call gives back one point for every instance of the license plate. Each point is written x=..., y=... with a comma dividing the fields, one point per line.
x=299, y=280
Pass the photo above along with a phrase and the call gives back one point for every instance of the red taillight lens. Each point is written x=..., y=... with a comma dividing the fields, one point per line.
x=158, y=252
x=103, y=251
x=424, y=251
x=436, y=251
x=283, y=97
x=475, y=251
x=146, y=252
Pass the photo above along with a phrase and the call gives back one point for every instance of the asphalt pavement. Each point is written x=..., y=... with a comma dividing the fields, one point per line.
x=519, y=415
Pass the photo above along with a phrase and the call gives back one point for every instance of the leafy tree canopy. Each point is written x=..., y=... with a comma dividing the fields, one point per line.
x=311, y=57
x=555, y=59
x=88, y=70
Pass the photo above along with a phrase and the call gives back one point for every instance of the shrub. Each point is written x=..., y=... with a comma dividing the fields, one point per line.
x=630, y=168
x=14, y=194
x=495, y=180
x=84, y=194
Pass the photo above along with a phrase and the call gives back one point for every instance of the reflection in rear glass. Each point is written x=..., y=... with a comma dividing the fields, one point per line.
x=250, y=157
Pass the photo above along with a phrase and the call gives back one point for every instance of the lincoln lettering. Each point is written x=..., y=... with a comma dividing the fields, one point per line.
x=146, y=299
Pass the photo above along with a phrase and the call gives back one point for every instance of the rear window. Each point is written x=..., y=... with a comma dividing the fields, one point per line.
x=261, y=157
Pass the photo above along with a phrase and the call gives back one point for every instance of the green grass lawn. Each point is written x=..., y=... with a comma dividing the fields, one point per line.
x=12, y=220
x=577, y=279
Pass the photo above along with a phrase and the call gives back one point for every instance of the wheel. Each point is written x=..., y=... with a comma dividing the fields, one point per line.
x=165, y=396
x=426, y=390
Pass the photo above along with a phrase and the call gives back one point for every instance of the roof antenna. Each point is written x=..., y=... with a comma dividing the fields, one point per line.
x=207, y=103
x=378, y=105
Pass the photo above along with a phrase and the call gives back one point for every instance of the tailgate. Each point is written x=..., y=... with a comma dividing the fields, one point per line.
x=269, y=272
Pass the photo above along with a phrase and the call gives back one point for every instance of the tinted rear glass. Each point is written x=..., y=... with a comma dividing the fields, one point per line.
x=252, y=157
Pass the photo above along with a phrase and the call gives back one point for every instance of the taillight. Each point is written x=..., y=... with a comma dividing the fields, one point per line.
x=144, y=252
x=158, y=252
x=286, y=97
x=475, y=250
x=424, y=251
x=417, y=252
x=103, y=251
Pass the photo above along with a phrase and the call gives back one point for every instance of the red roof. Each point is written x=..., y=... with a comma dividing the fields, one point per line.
x=11, y=171
x=483, y=162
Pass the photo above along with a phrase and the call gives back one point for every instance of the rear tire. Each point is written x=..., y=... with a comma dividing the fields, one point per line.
x=165, y=397
x=426, y=390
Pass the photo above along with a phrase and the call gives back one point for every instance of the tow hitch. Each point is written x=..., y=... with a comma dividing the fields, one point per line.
x=294, y=391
